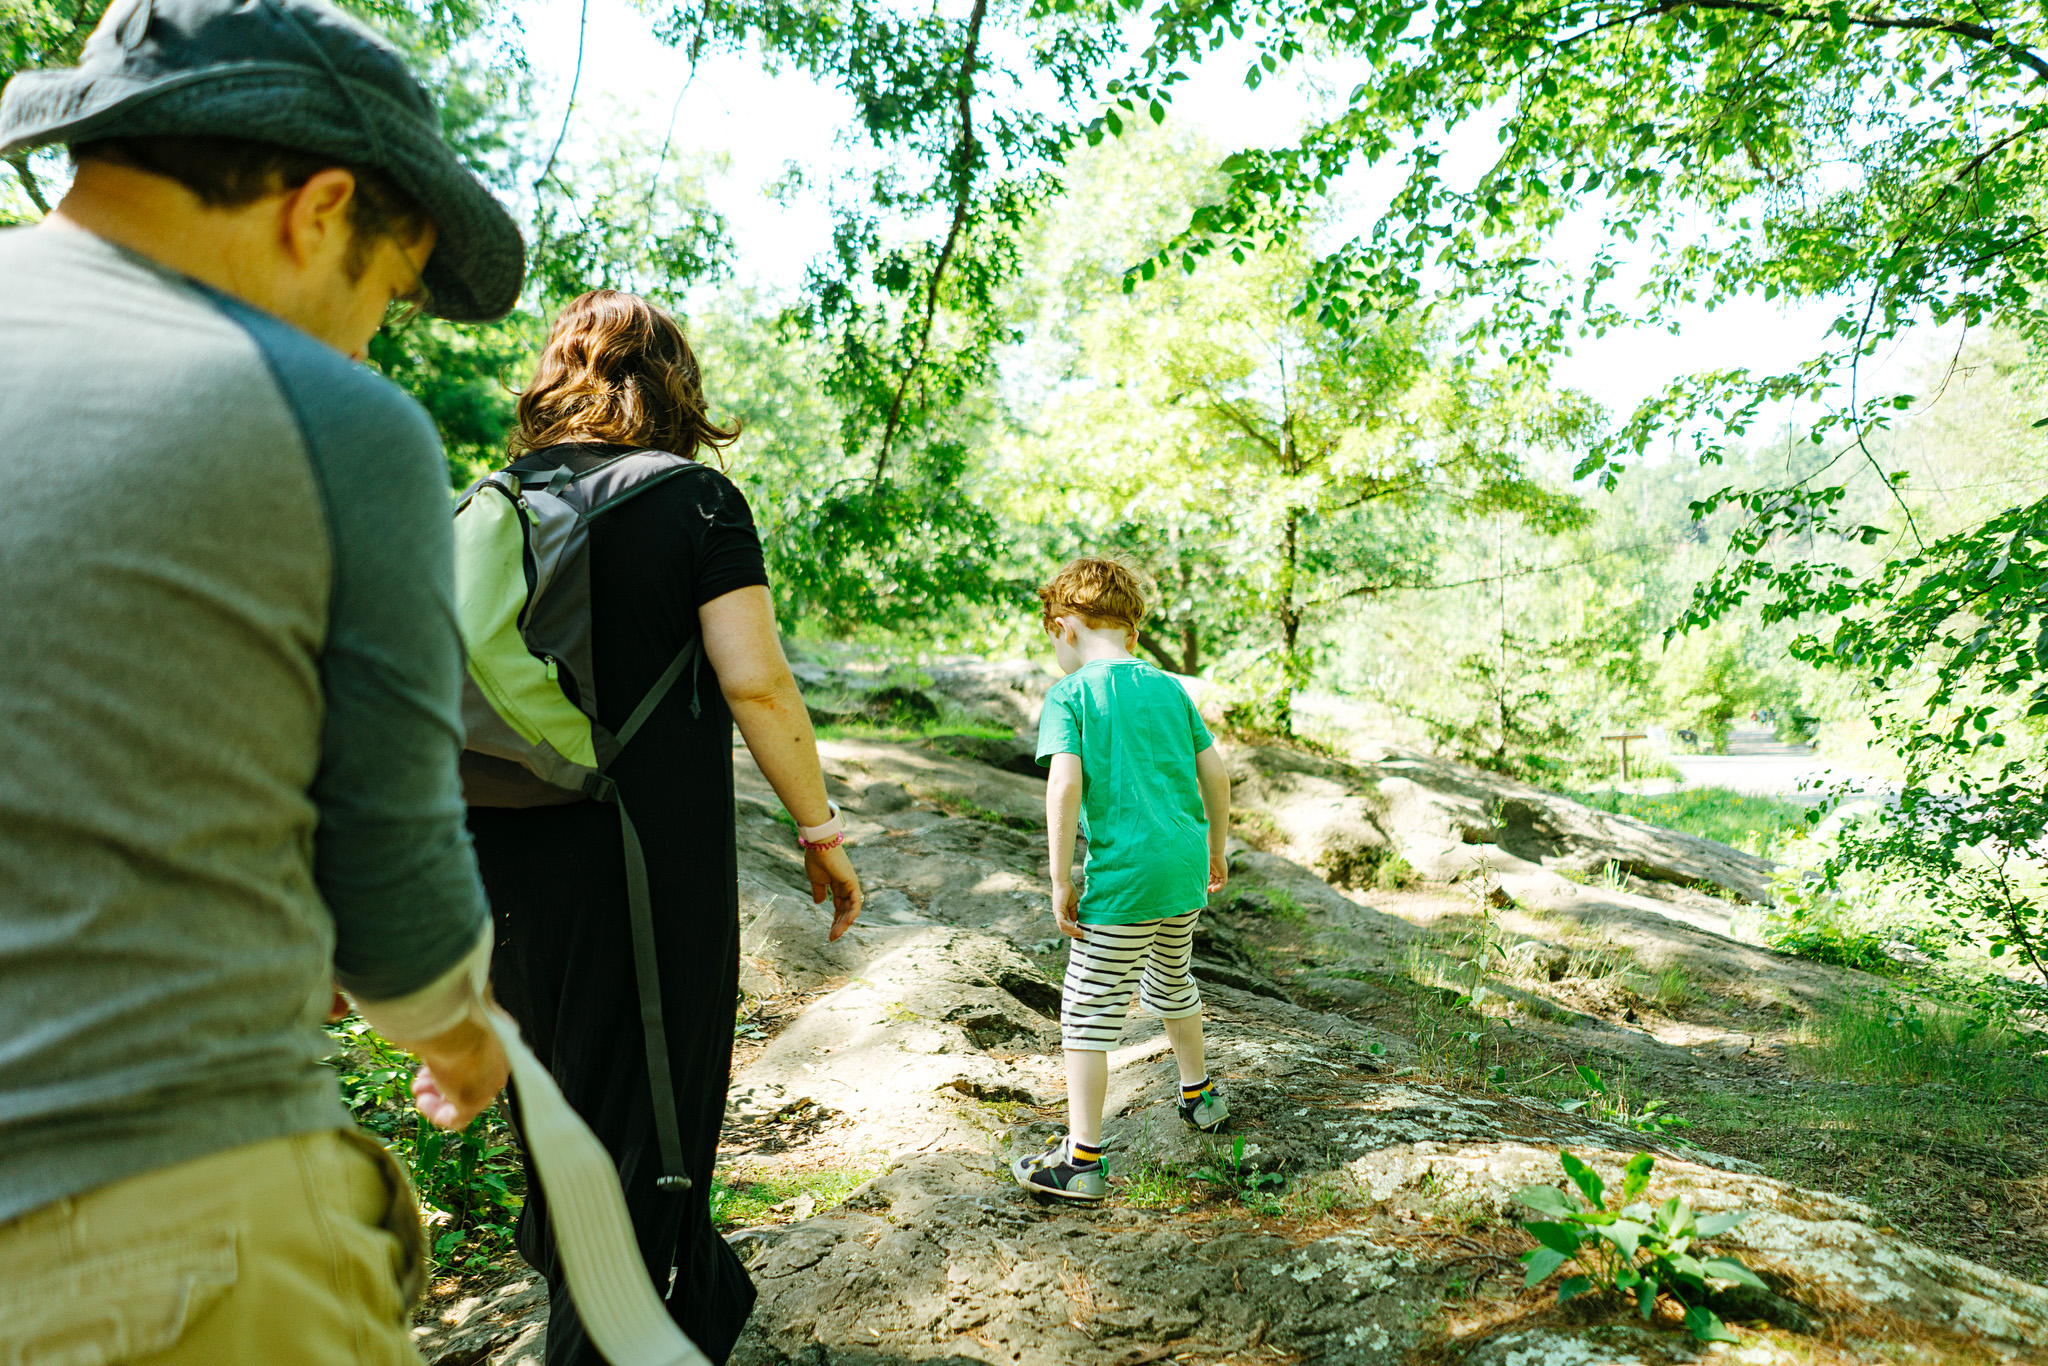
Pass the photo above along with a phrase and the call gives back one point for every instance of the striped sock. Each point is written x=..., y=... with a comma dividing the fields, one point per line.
x=1191, y=1090
x=1081, y=1154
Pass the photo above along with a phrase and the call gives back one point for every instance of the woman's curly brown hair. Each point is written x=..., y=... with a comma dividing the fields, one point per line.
x=616, y=368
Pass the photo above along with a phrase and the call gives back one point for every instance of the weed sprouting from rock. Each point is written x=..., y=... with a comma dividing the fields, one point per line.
x=1641, y=1249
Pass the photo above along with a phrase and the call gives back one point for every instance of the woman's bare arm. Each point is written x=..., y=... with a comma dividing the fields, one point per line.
x=745, y=650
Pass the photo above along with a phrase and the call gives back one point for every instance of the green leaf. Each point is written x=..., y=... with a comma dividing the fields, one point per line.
x=1591, y=1078
x=1560, y=1237
x=1624, y=1234
x=1838, y=18
x=1728, y=1269
x=1546, y=1200
x=1585, y=1178
x=1706, y=1326
x=1541, y=1261
x=1714, y=1225
x=1636, y=1177
x=1687, y=1266
x=1573, y=1286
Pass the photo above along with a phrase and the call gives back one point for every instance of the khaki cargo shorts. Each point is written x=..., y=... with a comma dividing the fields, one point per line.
x=302, y=1251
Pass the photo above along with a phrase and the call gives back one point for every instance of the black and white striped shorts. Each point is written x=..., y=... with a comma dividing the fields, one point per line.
x=1101, y=964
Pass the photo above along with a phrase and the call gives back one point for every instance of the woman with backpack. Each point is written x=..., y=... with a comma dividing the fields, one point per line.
x=672, y=640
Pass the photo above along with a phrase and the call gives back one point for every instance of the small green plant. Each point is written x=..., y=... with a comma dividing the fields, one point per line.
x=1640, y=1249
x=1393, y=873
x=1234, y=1176
x=1595, y=1087
x=1654, y=1119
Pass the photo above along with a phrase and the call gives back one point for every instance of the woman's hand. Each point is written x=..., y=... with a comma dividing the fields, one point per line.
x=831, y=873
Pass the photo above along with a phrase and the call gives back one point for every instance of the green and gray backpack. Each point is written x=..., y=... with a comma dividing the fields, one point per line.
x=529, y=703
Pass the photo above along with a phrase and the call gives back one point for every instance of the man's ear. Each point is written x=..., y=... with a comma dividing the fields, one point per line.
x=314, y=218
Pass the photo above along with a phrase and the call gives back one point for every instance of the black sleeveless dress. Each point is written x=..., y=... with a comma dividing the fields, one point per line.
x=563, y=965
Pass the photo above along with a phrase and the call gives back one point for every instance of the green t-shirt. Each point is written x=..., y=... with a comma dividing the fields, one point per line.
x=1137, y=734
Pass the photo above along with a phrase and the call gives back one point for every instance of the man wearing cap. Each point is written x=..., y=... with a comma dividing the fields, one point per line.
x=228, y=716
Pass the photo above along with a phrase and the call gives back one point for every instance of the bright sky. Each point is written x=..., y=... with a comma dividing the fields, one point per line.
x=761, y=124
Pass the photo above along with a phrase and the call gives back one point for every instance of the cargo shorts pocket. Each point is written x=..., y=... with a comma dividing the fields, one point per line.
x=401, y=1218
x=115, y=1304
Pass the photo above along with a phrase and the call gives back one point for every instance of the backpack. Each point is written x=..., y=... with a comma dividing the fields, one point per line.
x=529, y=699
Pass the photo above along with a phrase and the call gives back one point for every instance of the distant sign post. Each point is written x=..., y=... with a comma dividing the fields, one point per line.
x=1625, y=737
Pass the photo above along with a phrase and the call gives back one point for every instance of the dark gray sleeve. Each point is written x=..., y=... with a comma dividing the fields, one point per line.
x=392, y=854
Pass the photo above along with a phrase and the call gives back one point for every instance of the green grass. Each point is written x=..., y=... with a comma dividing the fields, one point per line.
x=911, y=730
x=1943, y=1166
x=1275, y=902
x=1155, y=1185
x=742, y=1196
x=1896, y=1040
x=1715, y=813
x=956, y=805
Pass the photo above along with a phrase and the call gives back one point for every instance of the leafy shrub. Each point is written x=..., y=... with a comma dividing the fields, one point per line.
x=1640, y=1249
x=473, y=1177
x=1808, y=933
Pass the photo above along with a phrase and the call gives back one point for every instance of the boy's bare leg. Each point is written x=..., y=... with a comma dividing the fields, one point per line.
x=1087, y=1085
x=1186, y=1037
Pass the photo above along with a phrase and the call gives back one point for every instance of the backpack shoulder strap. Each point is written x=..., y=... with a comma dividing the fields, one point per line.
x=685, y=657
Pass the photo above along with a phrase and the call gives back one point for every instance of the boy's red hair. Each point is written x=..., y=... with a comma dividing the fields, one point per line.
x=1101, y=590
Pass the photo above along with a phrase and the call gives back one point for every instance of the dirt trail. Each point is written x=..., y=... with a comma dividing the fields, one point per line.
x=1367, y=1217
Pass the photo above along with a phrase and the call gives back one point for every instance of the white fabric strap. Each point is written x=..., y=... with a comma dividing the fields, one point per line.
x=607, y=1278
x=593, y=1232
x=438, y=1006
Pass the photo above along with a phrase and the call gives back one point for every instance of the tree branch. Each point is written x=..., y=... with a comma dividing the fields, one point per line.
x=964, y=157
x=1244, y=424
x=1151, y=643
x=1373, y=590
x=1977, y=33
x=575, y=81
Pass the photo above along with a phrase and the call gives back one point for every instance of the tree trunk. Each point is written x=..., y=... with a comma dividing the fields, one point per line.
x=1290, y=624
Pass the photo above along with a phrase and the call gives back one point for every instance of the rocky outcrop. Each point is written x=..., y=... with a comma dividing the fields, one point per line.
x=1447, y=820
x=1004, y=693
x=924, y=1043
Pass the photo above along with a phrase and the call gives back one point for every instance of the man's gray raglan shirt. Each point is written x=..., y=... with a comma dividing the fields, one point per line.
x=228, y=716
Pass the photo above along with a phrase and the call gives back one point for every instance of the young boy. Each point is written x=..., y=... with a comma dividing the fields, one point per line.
x=1129, y=755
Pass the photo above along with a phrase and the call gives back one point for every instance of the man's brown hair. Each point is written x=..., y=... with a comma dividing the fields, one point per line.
x=228, y=173
x=1102, y=590
x=617, y=368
